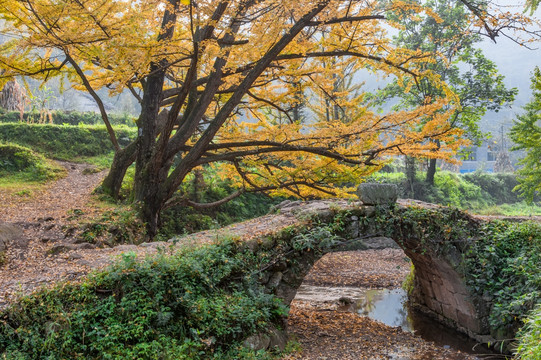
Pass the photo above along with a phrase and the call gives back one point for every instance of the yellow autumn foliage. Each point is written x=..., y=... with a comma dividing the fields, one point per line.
x=237, y=74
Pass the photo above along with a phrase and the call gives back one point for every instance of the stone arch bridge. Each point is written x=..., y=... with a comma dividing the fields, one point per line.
x=435, y=238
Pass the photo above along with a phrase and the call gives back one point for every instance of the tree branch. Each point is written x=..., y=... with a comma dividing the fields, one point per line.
x=346, y=19
x=94, y=95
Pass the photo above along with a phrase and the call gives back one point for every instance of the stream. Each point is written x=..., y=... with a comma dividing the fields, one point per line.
x=389, y=307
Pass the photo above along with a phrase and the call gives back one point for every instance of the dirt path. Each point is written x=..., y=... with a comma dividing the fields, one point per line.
x=41, y=251
x=70, y=192
x=36, y=224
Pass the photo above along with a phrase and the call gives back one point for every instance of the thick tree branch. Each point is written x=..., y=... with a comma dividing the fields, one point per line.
x=178, y=174
x=96, y=98
x=346, y=19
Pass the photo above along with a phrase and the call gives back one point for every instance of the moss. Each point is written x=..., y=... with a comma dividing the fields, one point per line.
x=24, y=164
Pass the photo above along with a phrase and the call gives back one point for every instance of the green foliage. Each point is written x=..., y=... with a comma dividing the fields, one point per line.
x=63, y=142
x=475, y=191
x=112, y=227
x=496, y=188
x=68, y=118
x=184, y=306
x=526, y=134
x=23, y=164
x=480, y=88
x=183, y=219
x=503, y=264
x=529, y=337
x=320, y=237
x=452, y=189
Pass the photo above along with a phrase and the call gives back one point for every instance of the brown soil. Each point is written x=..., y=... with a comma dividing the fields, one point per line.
x=43, y=219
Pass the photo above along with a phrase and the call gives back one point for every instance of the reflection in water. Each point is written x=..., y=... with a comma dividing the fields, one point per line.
x=390, y=307
x=386, y=306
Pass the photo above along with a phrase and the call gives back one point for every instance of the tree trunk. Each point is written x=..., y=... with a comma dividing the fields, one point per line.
x=112, y=183
x=431, y=172
x=12, y=96
x=150, y=213
x=410, y=176
x=150, y=169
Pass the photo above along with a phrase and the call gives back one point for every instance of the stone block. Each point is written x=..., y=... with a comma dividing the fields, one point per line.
x=439, y=292
x=377, y=194
x=11, y=235
x=257, y=342
x=274, y=280
x=450, y=312
x=430, y=303
x=426, y=287
x=278, y=339
x=468, y=321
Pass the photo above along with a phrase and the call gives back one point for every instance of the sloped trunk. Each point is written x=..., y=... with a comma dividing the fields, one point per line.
x=122, y=160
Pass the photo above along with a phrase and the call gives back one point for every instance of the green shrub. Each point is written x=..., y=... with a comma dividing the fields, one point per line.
x=473, y=191
x=499, y=187
x=503, y=264
x=68, y=118
x=64, y=142
x=197, y=304
x=112, y=227
x=529, y=337
x=183, y=219
x=25, y=164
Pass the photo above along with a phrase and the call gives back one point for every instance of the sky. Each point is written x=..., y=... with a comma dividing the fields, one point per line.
x=516, y=63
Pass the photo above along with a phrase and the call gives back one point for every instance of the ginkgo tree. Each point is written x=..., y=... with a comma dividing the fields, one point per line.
x=208, y=73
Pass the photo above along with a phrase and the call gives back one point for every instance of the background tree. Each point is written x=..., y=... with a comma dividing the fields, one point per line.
x=194, y=66
x=473, y=77
x=12, y=96
x=526, y=134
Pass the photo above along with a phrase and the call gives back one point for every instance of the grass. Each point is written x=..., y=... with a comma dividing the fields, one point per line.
x=65, y=142
x=22, y=171
x=529, y=337
x=101, y=162
x=516, y=209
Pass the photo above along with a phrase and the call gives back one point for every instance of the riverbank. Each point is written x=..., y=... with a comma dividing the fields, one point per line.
x=328, y=330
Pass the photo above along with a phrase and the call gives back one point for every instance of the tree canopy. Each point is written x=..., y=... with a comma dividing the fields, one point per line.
x=472, y=77
x=208, y=74
x=526, y=134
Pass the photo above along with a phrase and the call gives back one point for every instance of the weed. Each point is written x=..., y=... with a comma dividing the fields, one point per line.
x=529, y=337
x=24, y=193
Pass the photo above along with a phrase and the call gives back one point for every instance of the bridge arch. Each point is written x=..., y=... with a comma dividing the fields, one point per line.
x=436, y=239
